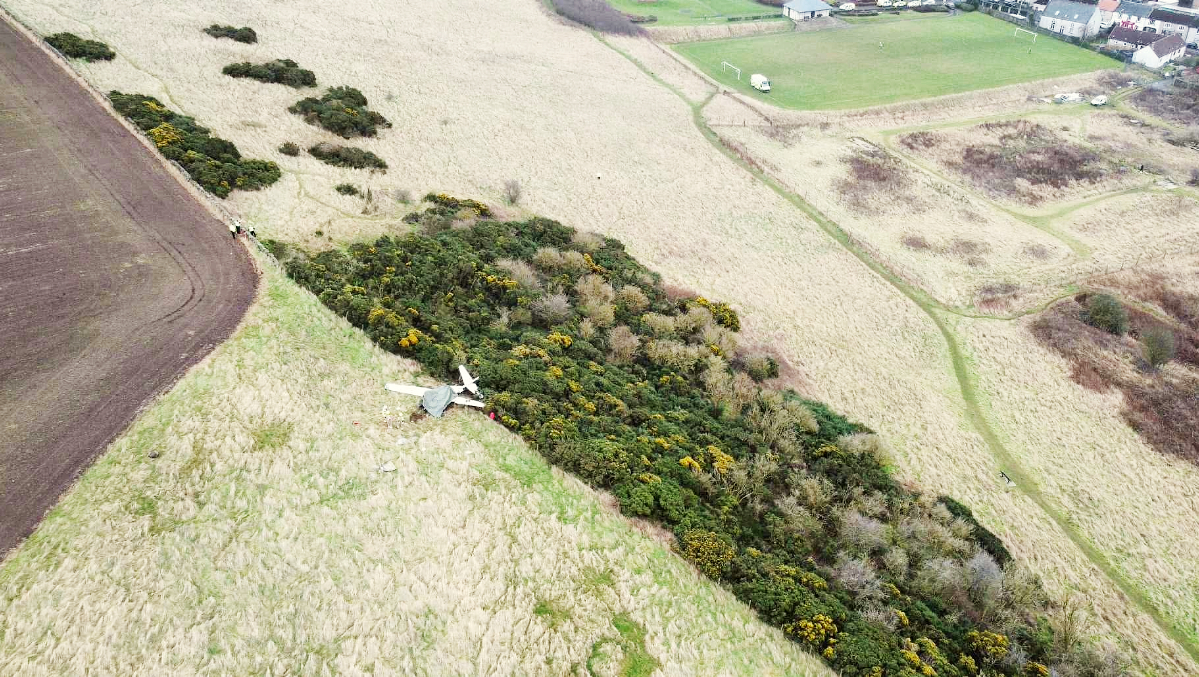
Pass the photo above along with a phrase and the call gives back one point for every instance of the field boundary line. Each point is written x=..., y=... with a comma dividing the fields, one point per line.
x=969, y=391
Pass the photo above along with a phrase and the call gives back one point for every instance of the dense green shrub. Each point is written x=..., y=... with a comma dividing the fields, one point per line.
x=1105, y=312
x=213, y=162
x=289, y=149
x=280, y=71
x=345, y=156
x=966, y=7
x=347, y=189
x=341, y=110
x=244, y=34
x=77, y=48
x=1157, y=346
x=783, y=501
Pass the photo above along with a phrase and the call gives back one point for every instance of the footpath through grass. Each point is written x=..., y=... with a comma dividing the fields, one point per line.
x=693, y=12
x=842, y=69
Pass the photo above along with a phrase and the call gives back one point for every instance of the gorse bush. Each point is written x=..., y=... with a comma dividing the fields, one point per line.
x=347, y=189
x=213, y=162
x=280, y=71
x=244, y=34
x=77, y=48
x=341, y=110
x=784, y=502
x=1104, y=311
x=345, y=156
x=289, y=149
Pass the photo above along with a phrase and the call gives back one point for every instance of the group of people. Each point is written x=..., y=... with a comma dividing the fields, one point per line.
x=236, y=229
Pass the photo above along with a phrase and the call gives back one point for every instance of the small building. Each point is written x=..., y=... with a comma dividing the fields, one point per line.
x=1133, y=15
x=804, y=10
x=1107, y=13
x=1161, y=52
x=1169, y=22
x=1074, y=19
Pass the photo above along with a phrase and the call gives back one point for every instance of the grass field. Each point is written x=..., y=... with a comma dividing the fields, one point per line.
x=263, y=539
x=827, y=70
x=627, y=160
x=685, y=12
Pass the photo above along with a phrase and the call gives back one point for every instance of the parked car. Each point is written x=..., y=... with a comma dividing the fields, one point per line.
x=1099, y=100
x=848, y=6
x=899, y=4
x=884, y=3
x=929, y=3
x=759, y=82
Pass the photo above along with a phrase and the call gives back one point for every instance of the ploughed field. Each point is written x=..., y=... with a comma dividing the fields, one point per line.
x=841, y=69
x=114, y=280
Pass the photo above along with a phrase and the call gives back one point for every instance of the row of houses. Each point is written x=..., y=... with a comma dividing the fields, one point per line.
x=1084, y=21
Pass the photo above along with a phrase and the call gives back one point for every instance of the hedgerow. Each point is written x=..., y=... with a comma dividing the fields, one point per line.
x=280, y=71
x=341, y=110
x=244, y=34
x=791, y=506
x=77, y=48
x=213, y=162
x=346, y=156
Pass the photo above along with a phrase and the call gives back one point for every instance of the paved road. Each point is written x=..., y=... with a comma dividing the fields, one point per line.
x=113, y=281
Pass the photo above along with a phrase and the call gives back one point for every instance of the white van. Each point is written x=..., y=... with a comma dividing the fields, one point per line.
x=759, y=82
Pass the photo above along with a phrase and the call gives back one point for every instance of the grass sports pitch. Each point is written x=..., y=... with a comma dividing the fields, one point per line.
x=919, y=58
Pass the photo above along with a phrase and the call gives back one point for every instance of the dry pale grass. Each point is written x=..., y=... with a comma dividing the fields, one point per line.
x=1136, y=229
x=1121, y=137
x=926, y=230
x=594, y=142
x=938, y=110
x=673, y=34
x=1093, y=464
x=264, y=539
x=666, y=65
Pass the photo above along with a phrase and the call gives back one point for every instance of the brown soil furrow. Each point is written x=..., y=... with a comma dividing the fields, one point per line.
x=113, y=280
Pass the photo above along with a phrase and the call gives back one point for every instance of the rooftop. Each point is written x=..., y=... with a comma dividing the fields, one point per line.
x=1134, y=37
x=807, y=6
x=1170, y=43
x=1169, y=16
x=1067, y=10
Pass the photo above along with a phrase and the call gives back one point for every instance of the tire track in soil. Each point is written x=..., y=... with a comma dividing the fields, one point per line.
x=114, y=280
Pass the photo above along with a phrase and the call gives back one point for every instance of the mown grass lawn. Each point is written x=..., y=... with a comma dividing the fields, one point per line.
x=684, y=12
x=839, y=69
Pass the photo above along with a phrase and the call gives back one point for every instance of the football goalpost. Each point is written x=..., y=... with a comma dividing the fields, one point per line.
x=1022, y=30
x=725, y=66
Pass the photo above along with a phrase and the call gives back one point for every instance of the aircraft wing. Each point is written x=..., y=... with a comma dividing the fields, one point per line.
x=407, y=390
x=469, y=402
x=468, y=381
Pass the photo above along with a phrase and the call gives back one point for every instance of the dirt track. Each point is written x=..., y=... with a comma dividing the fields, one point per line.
x=113, y=281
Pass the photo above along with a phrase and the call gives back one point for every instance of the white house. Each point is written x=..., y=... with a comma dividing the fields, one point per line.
x=1107, y=12
x=1133, y=15
x=1071, y=18
x=1175, y=23
x=1161, y=52
x=803, y=10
